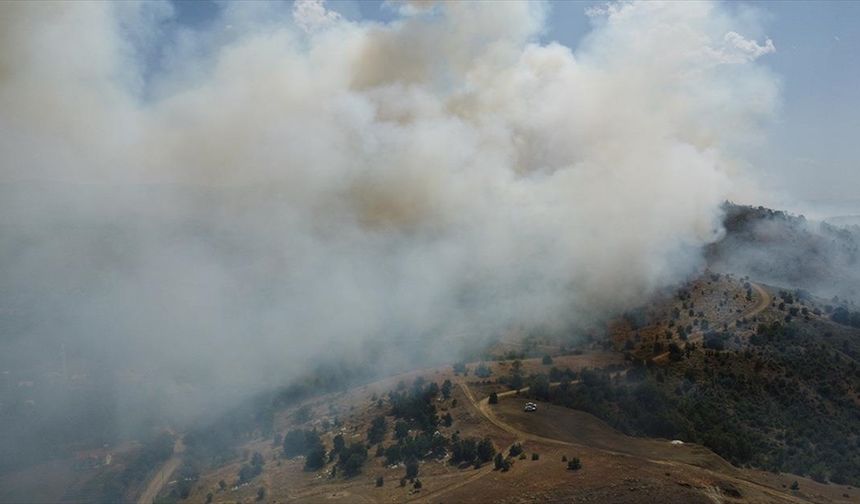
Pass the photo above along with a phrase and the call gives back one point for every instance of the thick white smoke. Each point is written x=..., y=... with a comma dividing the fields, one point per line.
x=289, y=183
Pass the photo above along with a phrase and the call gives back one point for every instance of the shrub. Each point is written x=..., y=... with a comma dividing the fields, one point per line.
x=574, y=464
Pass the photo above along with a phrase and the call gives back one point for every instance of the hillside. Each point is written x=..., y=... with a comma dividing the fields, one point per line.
x=782, y=249
x=749, y=377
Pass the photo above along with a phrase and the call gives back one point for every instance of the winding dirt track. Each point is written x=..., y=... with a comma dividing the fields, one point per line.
x=162, y=476
x=763, y=302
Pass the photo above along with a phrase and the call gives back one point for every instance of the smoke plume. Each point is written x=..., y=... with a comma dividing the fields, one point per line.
x=217, y=208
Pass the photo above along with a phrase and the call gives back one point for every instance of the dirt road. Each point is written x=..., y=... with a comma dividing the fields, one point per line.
x=162, y=476
x=763, y=302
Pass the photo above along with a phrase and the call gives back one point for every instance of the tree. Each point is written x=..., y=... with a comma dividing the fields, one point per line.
x=535, y=456
x=352, y=459
x=338, y=443
x=446, y=389
x=379, y=481
x=401, y=429
x=247, y=472
x=432, y=390
x=353, y=464
x=494, y=398
x=392, y=455
x=539, y=387
x=257, y=459
x=261, y=493
x=486, y=450
x=315, y=458
x=209, y=497
x=574, y=464
x=294, y=443
x=447, y=419
x=547, y=360
x=377, y=430
x=515, y=450
x=463, y=450
x=222, y=484
x=417, y=485
x=795, y=486
x=411, y=468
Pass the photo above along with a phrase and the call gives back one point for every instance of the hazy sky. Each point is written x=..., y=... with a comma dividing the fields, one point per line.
x=812, y=153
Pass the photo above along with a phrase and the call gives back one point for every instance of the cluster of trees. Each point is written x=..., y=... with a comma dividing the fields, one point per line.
x=471, y=450
x=843, y=316
x=416, y=405
x=307, y=443
x=416, y=447
x=250, y=471
x=350, y=460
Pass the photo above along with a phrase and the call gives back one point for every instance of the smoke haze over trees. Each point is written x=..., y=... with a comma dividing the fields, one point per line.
x=194, y=221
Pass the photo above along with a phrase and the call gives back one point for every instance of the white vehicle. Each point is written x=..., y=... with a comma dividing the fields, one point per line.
x=530, y=407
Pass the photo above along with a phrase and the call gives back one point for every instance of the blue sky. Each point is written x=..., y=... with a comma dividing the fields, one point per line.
x=812, y=154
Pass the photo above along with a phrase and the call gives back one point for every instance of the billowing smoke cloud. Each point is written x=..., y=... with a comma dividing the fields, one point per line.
x=226, y=208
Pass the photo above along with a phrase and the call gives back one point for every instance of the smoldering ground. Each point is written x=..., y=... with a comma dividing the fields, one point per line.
x=206, y=212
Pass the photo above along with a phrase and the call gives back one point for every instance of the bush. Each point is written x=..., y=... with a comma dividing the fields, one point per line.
x=515, y=450
x=574, y=464
x=379, y=481
x=547, y=360
x=494, y=398
x=535, y=456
